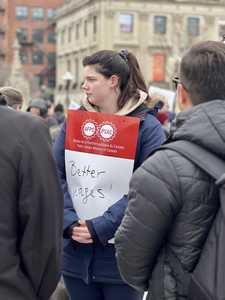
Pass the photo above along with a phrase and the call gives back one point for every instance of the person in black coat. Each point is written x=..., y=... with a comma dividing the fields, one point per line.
x=31, y=213
x=172, y=203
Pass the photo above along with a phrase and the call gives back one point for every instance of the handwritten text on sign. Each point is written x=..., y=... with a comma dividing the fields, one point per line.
x=99, y=156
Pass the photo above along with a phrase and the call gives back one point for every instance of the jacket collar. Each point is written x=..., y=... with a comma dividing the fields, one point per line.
x=134, y=107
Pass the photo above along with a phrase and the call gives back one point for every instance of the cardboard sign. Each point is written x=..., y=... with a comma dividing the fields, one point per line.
x=99, y=159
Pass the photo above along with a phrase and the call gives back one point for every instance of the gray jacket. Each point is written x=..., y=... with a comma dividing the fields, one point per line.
x=171, y=207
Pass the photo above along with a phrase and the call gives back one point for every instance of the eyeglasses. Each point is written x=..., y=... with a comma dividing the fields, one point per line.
x=175, y=81
x=223, y=39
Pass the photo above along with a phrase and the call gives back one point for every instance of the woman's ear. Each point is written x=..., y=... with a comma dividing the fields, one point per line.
x=114, y=81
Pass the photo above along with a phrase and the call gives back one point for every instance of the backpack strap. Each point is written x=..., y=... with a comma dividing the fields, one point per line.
x=207, y=161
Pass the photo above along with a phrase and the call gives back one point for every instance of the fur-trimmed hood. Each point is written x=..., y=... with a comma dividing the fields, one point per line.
x=127, y=109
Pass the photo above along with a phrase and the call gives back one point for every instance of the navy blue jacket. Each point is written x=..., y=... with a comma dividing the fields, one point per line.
x=96, y=262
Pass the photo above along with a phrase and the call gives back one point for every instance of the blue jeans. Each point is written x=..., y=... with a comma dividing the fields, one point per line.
x=79, y=290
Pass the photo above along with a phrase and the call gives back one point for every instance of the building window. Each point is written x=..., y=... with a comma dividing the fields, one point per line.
x=51, y=13
x=158, y=67
x=51, y=80
x=38, y=57
x=22, y=35
x=126, y=22
x=23, y=57
x=38, y=35
x=160, y=23
x=62, y=37
x=68, y=65
x=193, y=26
x=85, y=28
x=77, y=31
x=51, y=69
x=51, y=59
x=51, y=37
x=21, y=12
x=37, y=13
x=76, y=69
x=40, y=79
x=69, y=34
x=94, y=24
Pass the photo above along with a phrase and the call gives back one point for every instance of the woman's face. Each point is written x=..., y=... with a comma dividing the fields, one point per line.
x=97, y=87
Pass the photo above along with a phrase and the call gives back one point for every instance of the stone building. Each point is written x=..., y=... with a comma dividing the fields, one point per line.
x=157, y=32
x=31, y=22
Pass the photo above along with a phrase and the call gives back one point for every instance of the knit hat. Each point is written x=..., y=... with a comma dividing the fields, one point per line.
x=41, y=104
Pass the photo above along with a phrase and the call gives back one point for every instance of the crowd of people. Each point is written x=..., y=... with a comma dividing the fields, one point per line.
x=159, y=226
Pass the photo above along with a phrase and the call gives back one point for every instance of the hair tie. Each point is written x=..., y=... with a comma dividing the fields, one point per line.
x=124, y=55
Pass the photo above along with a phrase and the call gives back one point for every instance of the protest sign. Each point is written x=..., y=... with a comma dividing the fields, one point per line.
x=99, y=158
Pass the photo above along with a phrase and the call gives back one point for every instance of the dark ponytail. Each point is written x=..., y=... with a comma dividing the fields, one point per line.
x=135, y=81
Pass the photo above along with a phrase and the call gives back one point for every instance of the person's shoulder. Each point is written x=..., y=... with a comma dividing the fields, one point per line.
x=151, y=126
x=9, y=114
x=160, y=167
x=22, y=123
x=158, y=159
x=150, y=120
x=30, y=120
x=169, y=164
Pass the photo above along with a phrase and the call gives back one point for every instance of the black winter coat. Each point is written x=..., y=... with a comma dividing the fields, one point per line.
x=31, y=211
x=172, y=204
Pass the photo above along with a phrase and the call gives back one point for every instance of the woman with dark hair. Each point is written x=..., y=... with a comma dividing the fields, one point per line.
x=113, y=84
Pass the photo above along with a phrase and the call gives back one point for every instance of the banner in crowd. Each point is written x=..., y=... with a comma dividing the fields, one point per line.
x=167, y=96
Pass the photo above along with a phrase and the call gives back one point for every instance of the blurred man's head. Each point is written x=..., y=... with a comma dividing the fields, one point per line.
x=59, y=108
x=38, y=107
x=202, y=74
x=13, y=97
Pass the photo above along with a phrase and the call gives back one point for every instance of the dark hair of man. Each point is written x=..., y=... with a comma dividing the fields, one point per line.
x=202, y=72
x=59, y=108
x=2, y=100
x=123, y=64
